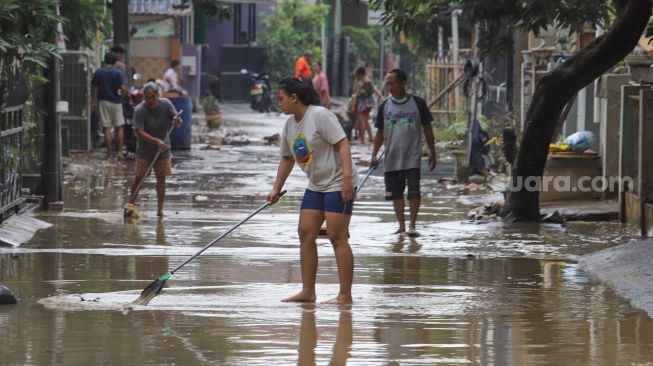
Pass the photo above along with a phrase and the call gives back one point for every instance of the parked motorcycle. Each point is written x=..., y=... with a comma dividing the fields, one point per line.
x=259, y=91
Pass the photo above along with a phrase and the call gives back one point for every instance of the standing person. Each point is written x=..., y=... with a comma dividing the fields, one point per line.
x=321, y=85
x=303, y=65
x=363, y=92
x=171, y=76
x=120, y=62
x=107, y=84
x=151, y=122
x=313, y=138
x=398, y=123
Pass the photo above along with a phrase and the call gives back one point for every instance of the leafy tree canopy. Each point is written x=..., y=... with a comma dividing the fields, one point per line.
x=82, y=20
x=27, y=33
x=364, y=49
x=420, y=18
x=293, y=29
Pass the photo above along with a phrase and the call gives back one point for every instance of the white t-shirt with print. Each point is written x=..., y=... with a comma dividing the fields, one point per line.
x=311, y=142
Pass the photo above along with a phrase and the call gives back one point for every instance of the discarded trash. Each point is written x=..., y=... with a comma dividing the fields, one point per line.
x=6, y=296
x=581, y=141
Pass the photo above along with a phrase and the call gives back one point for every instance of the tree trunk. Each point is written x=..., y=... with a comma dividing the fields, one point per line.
x=554, y=90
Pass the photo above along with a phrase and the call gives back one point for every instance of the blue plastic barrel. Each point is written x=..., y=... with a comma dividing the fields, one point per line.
x=180, y=137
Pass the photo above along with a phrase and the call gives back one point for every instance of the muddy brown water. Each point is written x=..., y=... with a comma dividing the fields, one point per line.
x=459, y=294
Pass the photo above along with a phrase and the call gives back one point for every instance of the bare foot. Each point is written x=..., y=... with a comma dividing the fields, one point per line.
x=400, y=231
x=159, y=213
x=413, y=233
x=300, y=297
x=340, y=300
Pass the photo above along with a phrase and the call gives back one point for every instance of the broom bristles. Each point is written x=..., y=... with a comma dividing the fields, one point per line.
x=130, y=210
x=149, y=292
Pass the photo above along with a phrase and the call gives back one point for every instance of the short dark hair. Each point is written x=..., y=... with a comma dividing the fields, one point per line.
x=302, y=88
x=360, y=71
x=117, y=49
x=174, y=63
x=401, y=75
x=110, y=58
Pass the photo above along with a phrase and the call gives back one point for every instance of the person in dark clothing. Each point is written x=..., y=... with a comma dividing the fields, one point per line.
x=109, y=86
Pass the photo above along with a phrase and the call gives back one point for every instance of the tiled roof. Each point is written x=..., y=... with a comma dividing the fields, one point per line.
x=159, y=7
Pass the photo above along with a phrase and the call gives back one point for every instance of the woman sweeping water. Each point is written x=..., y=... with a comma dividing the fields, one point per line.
x=314, y=139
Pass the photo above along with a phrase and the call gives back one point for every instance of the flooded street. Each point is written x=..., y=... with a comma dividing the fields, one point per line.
x=462, y=293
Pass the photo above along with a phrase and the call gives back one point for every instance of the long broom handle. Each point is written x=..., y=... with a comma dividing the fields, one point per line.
x=207, y=246
x=147, y=172
x=369, y=172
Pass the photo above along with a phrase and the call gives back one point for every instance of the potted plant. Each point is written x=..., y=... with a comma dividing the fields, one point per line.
x=211, y=111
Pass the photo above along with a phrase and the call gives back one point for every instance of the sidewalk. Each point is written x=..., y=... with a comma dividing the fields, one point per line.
x=628, y=269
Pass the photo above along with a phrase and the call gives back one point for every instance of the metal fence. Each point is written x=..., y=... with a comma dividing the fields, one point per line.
x=76, y=90
x=11, y=133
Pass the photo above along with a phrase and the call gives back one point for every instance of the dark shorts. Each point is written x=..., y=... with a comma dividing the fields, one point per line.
x=326, y=201
x=396, y=182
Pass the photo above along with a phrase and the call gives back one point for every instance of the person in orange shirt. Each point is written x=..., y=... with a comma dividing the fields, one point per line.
x=302, y=65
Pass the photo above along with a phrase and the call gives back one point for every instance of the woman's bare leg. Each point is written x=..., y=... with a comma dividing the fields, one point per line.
x=309, y=228
x=368, y=127
x=360, y=125
x=338, y=233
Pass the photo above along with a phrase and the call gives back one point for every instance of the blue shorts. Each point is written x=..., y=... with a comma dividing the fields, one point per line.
x=326, y=201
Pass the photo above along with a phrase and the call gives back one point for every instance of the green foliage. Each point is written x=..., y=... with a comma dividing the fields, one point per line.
x=210, y=104
x=454, y=131
x=27, y=35
x=293, y=29
x=420, y=18
x=364, y=48
x=83, y=18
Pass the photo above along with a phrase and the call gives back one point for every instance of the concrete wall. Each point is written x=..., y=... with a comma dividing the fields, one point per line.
x=571, y=168
x=610, y=116
x=636, y=157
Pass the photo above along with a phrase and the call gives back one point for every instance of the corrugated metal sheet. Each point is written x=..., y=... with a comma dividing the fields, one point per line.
x=159, y=7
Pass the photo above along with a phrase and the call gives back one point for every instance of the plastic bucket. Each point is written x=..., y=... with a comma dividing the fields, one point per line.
x=180, y=137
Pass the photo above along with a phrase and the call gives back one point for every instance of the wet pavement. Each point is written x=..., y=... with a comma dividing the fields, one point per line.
x=462, y=293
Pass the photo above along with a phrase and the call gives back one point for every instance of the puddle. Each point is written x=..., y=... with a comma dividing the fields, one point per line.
x=462, y=293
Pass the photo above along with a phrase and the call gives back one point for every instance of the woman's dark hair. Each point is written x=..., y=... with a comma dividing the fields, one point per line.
x=174, y=63
x=302, y=88
x=360, y=71
x=401, y=75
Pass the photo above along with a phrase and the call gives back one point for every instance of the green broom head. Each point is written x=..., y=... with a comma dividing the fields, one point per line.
x=152, y=289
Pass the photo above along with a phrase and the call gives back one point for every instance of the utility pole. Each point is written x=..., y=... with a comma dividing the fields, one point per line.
x=52, y=169
x=120, y=17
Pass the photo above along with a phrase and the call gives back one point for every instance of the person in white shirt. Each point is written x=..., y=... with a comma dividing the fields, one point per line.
x=313, y=138
x=171, y=76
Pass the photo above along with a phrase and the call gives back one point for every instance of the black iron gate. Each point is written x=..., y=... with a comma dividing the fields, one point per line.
x=11, y=133
x=234, y=86
x=76, y=90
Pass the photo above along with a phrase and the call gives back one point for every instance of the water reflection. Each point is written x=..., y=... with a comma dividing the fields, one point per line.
x=160, y=232
x=406, y=244
x=308, y=337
